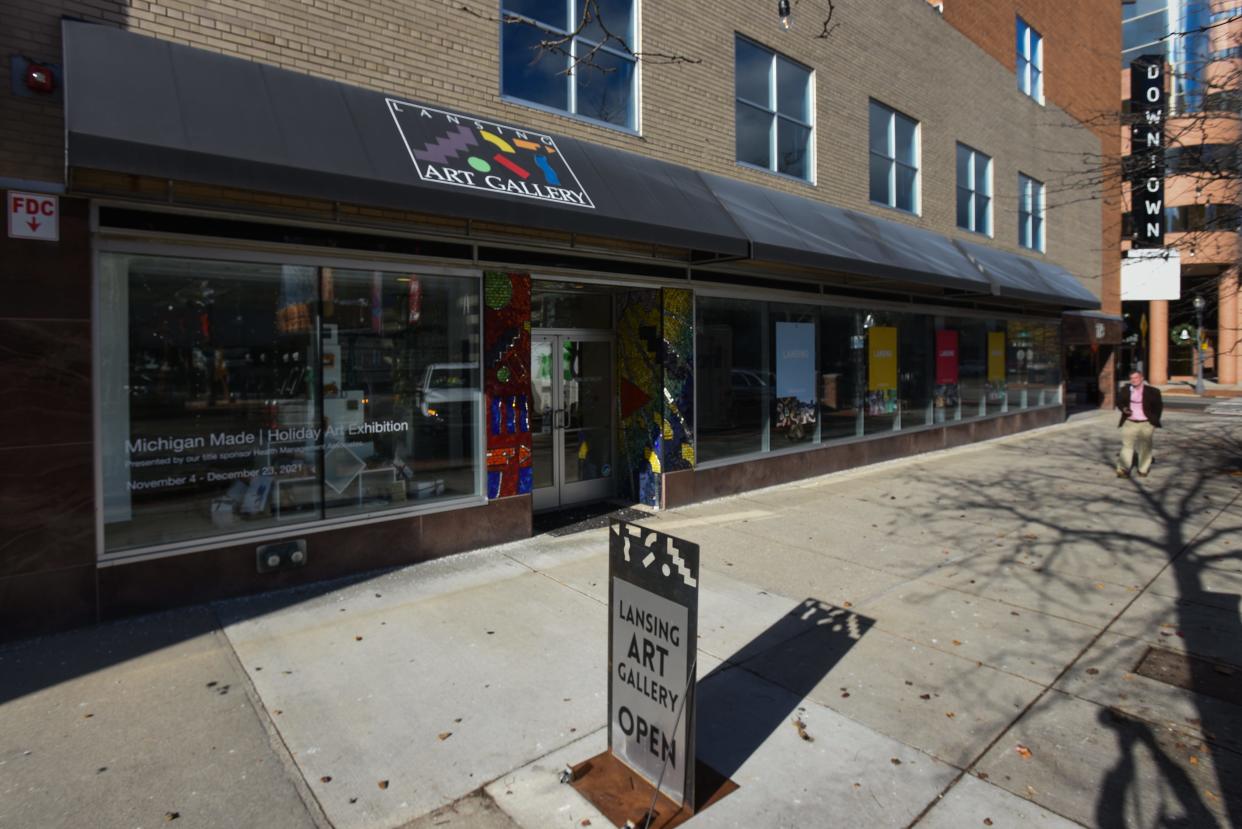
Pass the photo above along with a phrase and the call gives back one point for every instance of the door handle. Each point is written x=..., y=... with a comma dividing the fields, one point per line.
x=561, y=420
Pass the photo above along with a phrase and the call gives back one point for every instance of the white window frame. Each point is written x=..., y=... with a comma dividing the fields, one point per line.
x=891, y=158
x=1030, y=60
x=1031, y=207
x=572, y=111
x=972, y=162
x=773, y=111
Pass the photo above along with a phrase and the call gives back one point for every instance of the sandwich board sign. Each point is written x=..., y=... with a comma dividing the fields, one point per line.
x=653, y=605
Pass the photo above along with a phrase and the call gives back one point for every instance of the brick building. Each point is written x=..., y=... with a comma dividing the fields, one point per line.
x=340, y=286
x=1199, y=44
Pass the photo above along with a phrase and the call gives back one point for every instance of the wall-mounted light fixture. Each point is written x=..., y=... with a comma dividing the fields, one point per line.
x=784, y=11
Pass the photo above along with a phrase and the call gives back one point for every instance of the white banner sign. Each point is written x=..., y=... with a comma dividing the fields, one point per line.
x=1151, y=274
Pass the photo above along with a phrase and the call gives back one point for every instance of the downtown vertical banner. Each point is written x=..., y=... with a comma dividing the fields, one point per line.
x=1147, y=112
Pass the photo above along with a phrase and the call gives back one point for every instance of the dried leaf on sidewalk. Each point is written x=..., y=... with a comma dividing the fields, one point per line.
x=383, y=784
x=895, y=761
x=924, y=696
x=357, y=638
x=169, y=817
x=800, y=727
x=1023, y=751
x=444, y=735
x=950, y=714
x=1194, y=761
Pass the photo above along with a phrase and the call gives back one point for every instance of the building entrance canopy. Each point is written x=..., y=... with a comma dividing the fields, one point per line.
x=143, y=106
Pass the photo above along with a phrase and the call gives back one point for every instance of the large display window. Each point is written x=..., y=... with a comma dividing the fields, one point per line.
x=239, y=396
x=825, y=374
x=734, y=383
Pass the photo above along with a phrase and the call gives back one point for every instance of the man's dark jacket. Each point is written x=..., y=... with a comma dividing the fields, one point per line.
x=1153, y=404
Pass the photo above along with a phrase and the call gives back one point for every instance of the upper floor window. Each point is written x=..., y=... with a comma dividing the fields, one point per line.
x=974, y=190
x=894, y=158
x=1030, y=67
x=551, y=58
x=775, y=122
x=1030, y=213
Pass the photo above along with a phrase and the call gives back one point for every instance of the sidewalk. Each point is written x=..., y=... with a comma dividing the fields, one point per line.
x=1035, y=642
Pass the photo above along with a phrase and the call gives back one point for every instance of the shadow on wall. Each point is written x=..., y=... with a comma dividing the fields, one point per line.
x=758, y=689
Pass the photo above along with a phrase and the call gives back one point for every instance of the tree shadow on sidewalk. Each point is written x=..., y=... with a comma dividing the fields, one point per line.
x=1072, y=531
x=758, y=689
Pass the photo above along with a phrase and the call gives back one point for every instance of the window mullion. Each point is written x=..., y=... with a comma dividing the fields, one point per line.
x=773, y=163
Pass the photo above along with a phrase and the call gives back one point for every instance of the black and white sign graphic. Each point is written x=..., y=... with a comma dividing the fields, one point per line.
x=461, y=151
x=653, y=600
x=1147, y=108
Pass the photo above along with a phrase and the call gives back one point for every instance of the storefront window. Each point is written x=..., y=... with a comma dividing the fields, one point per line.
x=997, y=381
x=916, y=364
x=734, y=386
x=946, y=388
x=1019, y=357
x=1044, y=366
x=400, y=389
x=240, y=396
x=882, y=402
x=842, y=350
x=793, y=411
x=973, y=365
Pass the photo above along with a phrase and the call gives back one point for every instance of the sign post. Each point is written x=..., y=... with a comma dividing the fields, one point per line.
x=653, y=605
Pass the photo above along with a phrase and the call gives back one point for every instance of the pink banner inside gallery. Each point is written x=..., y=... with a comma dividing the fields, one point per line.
x=946, y=357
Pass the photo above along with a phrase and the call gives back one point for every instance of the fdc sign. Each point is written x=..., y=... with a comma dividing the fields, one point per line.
x=33, y=216
x=653, y=603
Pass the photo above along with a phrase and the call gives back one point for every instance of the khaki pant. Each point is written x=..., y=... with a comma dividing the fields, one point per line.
x=1136, y=435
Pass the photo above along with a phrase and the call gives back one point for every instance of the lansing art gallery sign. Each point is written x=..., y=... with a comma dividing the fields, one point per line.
x=457, y=150
x=653, y=606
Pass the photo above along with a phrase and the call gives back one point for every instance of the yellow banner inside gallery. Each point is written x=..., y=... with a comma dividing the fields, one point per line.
x=882, y=358
x=996, y=356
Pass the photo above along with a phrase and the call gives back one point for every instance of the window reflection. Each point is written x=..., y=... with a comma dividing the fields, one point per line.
x=242, y=396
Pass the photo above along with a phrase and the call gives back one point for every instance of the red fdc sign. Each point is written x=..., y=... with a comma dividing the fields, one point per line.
x=33, y=216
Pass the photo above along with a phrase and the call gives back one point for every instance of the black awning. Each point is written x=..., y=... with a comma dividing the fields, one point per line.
x=795, y=230
x=139, y=105
x=1025, y=277
x=801, y=231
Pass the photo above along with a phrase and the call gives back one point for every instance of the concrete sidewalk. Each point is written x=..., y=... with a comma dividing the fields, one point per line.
x=1013, y=602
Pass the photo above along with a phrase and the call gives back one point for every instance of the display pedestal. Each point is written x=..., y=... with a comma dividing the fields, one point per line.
x=620, y=794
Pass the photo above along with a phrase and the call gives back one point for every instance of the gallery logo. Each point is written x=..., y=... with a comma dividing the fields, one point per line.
x=458, y=150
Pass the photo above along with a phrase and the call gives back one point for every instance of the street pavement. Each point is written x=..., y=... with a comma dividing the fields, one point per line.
x=1033, y=642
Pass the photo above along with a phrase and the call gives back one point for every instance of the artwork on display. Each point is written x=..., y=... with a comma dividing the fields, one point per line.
x=678, y=424
x=506, y=382
x=881, y=370
x=996, y=366
x=655, y=346
x=946, y=394
x=639, y=374
x=795, y=378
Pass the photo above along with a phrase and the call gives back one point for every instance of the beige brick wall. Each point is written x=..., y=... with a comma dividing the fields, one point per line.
x=901, y=52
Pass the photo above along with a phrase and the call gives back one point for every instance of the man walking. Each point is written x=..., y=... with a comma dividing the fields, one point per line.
x=1141, y=406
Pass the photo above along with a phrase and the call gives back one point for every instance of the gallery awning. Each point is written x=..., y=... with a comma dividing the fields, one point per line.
x=143, y=106
x=1092, y=328
x=795, y=230
x=139, y=105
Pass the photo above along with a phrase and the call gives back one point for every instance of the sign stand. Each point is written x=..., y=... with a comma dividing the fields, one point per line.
x=649, y=776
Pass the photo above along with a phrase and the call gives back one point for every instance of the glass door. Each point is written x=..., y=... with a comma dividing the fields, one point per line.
x=572, y=417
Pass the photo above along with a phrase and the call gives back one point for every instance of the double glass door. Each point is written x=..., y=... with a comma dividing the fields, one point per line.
x=571, y=417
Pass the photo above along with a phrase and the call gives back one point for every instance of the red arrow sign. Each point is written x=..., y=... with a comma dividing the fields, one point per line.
x=33, y=224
